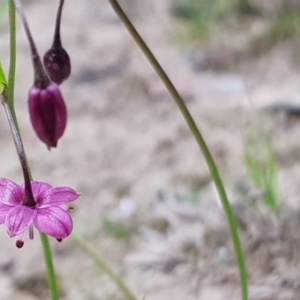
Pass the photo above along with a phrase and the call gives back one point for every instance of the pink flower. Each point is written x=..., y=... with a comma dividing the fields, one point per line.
x=49, y=214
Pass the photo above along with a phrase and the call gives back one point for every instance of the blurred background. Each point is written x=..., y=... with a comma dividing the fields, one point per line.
x=148, y=206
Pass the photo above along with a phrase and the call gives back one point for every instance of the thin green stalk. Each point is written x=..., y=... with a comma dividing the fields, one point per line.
x=13, y=54
x=202, y=145
x=105, y=267
x=50, y=267
x=10, y=100
x=3, y=9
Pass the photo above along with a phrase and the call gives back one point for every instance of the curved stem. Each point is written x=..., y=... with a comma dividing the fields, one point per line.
x=56, y=39
x=106, y=268
x=40, y=77
x=201, y=143
x=29, y=199
x=10, y=105
x=33, y=48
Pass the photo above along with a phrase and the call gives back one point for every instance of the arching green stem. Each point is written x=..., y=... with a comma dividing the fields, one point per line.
x=200, y=140
x=101, y=264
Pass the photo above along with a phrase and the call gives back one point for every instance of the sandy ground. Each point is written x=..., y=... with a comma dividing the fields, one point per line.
x=130, y=154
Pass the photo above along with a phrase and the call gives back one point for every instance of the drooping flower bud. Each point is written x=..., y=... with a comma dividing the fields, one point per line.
x=56, y=60
x=48, y=113
x=57, y=63
x=47, y=108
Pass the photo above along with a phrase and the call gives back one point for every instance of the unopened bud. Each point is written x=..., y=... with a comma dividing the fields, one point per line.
x=57, y=64
x=48, y=113
x=47, y=108
x=56, y=59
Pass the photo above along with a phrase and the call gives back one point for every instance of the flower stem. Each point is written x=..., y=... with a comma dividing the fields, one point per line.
x=201, y=143
x=29, y=199
x=10, y=104
x=105, y=267
x=40, y=77
x=56, y=40
x=13, y=58
x=10, y=108
x=50, y=267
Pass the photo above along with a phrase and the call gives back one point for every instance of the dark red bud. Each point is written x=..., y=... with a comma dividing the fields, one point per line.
x=57, y=64
x=56, y=60
x=48, y=113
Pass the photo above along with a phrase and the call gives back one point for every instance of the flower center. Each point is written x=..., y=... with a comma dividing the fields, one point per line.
x=29, y=198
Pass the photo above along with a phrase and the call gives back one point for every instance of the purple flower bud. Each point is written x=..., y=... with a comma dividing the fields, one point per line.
x=48, y=113
x=57, y=64
x=56, y=59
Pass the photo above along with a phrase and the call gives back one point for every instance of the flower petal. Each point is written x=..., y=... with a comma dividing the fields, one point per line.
x=10, y=192
x=54, y=221
x=19, y=219
x=4, y=209
x=56, y=196
x=39, y=187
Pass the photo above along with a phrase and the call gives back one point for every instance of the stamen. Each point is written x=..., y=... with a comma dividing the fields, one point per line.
x=31, y=232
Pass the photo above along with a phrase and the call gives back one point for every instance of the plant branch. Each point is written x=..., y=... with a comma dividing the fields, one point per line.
x=11, y=110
